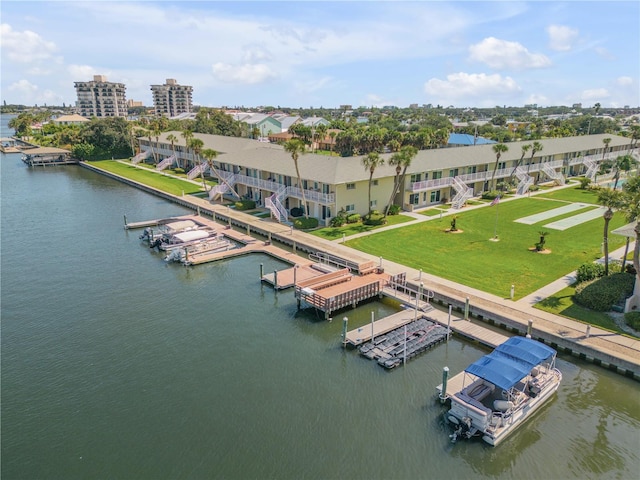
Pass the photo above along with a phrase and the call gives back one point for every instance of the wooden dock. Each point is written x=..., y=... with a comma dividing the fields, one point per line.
x=363, y=334
x=455, y=384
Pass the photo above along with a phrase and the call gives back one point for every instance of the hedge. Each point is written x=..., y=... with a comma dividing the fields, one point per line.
x=633, y=320
x=245, y=205
x=305, y=223
x=603, y=293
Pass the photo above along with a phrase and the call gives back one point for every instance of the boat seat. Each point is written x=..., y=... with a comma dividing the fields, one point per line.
x=478, y=390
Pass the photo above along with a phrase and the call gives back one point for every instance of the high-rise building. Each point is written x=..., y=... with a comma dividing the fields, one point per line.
x=100, y=98
x=171, y=99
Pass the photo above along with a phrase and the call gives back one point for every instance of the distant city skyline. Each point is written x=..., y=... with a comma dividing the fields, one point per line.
x=326, y=54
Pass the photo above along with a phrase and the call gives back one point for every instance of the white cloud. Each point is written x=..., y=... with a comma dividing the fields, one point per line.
x=23, y=86
x=561, y=37
x=604, y=53
x=32, y=95
x=596, y=94
x=246, y=74
x=26, y=46
x=476, y=89
x=502, y=54
x=313, y=85
x=373, y=100
x=624, y=81
x=82, y=73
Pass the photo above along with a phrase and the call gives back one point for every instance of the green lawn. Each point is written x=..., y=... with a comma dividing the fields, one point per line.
x=562, y=304
x=472, y=259
x=333, y=233
x=572, y=194
x=148, y=177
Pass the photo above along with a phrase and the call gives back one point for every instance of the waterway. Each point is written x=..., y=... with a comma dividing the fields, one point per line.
x=117, y=365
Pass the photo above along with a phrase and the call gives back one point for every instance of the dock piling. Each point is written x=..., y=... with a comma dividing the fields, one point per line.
x=261, y=270
x=373, y=337
x=588, y=332
x=445, y=377
x=125, y=221
x=345, y=323
x=248, y=229
x=529, y=328
x=513, y=289
x=466, y=309
x=275, y=279
x=449, y=324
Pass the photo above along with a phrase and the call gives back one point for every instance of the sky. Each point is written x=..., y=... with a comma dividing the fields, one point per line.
x=303, y=54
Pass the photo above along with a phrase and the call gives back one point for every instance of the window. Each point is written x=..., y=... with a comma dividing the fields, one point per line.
x=435, y=196
x=350, y=208
x=453, y=172
x=416, y=177
x=471, y=169
x=437, y=175
x=502, y=165
x=374, y=204
x=414, y=198
x=351, y=186
x=375, y=183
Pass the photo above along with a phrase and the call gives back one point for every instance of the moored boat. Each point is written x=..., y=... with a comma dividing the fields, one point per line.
x=208, y=245
x=151, y=234
x=501, y=390
x=182, y=239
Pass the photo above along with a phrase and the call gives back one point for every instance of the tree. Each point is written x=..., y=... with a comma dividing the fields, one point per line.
x=156, y=131
x=499, y=149
x=535, y=148
x=296, y=147
x=82, y=151
x=187, y=135
x=173, y=139
x=612, y=200
x=371, y=162
x=525, y=149
x=622, y=163
x=196, y=145
x=631, y=207
x=210, y=154
x=402, y=160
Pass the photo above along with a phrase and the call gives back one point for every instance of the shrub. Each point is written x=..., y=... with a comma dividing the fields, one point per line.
x=178, y=170
x=394, y=209
x=584, y=183
x=338, y=221
x=534, y=188
x=245, y=205
x=602, y=293
x=490, y=195
x=297, y=212
x=633, y=320
x=305, y=223
x=375, y=218
x=589, y=271
x=354, y=218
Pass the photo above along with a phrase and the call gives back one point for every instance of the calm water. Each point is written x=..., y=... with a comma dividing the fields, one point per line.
x=116, y=365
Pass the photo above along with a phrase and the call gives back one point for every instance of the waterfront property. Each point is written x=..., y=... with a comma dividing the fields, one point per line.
x=43, y=156
x=265, y=172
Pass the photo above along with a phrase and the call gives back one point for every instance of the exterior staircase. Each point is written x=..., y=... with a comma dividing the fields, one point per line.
x=463, y=193
x=525, y=181
x=223, y=186
x=274, y=204
x=166, y=163
x=197, y=170
x=141, y=156
x=553, y=174
x=592, y=169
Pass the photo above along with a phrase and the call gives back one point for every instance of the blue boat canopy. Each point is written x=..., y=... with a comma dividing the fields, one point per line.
x=511, y=361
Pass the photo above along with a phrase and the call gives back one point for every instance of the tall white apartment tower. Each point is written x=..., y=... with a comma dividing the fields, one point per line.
x=100, y=98
x=171, y=99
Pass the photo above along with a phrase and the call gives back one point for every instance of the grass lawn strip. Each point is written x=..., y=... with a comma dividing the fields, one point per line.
x=470, y=258
x=333, y=233
x=572, y=194
x=164, y=183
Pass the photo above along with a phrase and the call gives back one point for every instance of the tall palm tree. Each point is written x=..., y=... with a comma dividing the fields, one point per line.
x=296, y=147
x=397, y=161
x=612, y=200
x=187, y=135
x=606, y=142
x=499, y=149
x=196, y=145
x=156, y=131
x=173, y=139
x=535, y=148
x=631, y=207
x=371, y=162
x=332, y=135
x=622, y=163
x=525, y=149
x=210, y=154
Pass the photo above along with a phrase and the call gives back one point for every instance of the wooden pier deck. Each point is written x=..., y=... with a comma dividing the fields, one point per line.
x=161, y=221
x=363, y=334
x=455, y=384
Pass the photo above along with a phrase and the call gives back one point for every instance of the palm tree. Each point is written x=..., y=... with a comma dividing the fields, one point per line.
x=332, y=135
x=631, y=207
x=173, y=139
x=210, y=154
x=396, y=160
x=499, y=149
x=535, y=148
x=371, y=162
x=296, y=147
x=155, y=129
x=611, y=199
x=606, y=142
x=196, y=145
x=187, y=135
x=622, y=163
x=525, y=149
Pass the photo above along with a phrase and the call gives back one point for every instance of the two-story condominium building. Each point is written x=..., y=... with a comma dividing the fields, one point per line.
x=266, y=173
x=171, y=99
x=100, y=98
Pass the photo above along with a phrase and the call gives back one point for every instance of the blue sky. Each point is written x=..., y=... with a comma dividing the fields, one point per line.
x=306, y=53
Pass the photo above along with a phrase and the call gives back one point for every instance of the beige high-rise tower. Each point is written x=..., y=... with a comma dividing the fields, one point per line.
x=100, y=98
x=171, y=99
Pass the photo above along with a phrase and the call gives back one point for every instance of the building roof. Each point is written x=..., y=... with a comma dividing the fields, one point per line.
x=339, y=170
x=467, y=139
x=45, y=151
x=71, y=118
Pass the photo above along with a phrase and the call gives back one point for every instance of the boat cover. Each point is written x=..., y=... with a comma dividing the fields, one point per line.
x=511, y=361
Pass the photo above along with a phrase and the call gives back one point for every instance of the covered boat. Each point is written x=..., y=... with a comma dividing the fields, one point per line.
x=182, y=239
x=151, y=234
x=503, y=389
